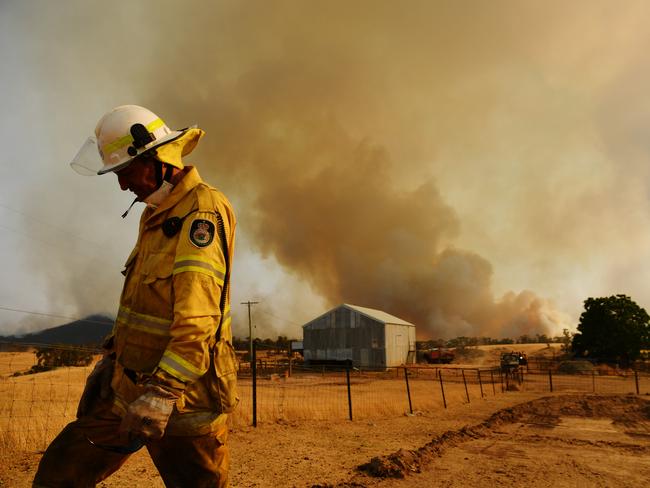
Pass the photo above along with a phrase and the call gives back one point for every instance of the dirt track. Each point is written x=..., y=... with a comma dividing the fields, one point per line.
x=554, y=441
x=571, y=440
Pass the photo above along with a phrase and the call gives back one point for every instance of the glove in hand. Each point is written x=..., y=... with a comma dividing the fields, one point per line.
x=98, y=386
x=147, y=416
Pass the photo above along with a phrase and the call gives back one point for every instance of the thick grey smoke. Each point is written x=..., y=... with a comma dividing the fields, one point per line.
x=412, y=158
x=327, y=206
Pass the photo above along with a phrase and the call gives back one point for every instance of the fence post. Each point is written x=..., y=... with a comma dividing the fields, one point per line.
x=480, y=383
x=254, y=373
x=442, y=388
x=494, y=391
x=550, y=379
x=347, y=377
x=465, y=383
x=636, y=381
x=593, y=381
x=501, y=380
x=408, y=389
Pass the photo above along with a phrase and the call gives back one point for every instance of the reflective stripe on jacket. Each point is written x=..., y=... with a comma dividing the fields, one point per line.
x=170, y=306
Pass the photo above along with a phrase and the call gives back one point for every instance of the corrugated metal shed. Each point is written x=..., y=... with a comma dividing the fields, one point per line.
x=368, y=337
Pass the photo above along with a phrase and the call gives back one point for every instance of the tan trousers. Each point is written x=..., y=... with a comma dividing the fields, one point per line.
x=72, y=461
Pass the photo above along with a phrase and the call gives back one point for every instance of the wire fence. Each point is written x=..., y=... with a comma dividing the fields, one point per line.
x=35, y=407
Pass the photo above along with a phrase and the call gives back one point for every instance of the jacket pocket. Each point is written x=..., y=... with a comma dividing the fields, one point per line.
x=158, y=266
x=223, y=377
x=155, y=292
x=124, y=388
x=141, y=352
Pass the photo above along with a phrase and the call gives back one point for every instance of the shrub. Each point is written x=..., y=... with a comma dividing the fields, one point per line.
x=51, y=357
x=575, y=367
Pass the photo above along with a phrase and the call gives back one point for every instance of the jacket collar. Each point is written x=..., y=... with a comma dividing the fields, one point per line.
x=182, y=188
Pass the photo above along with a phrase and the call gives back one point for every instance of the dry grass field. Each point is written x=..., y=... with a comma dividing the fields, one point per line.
x=34, y=407
x=304, y=437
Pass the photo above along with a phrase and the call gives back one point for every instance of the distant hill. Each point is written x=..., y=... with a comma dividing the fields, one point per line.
x=90, y=331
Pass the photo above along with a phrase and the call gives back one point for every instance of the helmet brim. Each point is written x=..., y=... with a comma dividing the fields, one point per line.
x=172, y=136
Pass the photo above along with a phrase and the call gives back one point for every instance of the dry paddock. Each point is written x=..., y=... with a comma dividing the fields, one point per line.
x=307, y=415
x=33, y=408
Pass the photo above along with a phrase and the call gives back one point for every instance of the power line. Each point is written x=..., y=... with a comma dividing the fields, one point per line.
x=67, y=232
x=280, y=318
x=69, y=238
x=65, y=347
x=264, y=298
x=52, y=244
x=53, y=315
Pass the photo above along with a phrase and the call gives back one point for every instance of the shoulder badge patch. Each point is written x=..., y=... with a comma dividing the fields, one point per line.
x=201, y=232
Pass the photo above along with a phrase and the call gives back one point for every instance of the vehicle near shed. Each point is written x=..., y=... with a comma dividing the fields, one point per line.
x=439, y=355
x=513, y=361
x=510, y=362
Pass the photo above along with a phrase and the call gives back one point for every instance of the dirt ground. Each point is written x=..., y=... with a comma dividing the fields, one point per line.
x=523, y=439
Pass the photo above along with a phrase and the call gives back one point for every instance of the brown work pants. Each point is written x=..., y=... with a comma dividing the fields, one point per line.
x=72, y=461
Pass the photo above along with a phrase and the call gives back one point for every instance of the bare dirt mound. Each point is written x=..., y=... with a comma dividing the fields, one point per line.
x=621, y=409
x=629, y=412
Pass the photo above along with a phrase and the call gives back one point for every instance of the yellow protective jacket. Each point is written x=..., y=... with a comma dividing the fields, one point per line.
x=170, y=309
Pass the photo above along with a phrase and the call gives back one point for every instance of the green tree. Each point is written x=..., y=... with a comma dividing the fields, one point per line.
x=565, y=340
x=612, y=329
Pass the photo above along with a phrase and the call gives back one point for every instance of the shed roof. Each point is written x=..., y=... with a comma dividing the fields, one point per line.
x=378, y=315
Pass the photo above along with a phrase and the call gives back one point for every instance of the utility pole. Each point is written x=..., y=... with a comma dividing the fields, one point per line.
x=250, y=328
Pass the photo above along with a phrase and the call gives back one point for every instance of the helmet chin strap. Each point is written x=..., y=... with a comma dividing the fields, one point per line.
x=169, y=169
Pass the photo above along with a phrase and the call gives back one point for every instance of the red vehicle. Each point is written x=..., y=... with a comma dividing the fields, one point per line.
x=439, y=355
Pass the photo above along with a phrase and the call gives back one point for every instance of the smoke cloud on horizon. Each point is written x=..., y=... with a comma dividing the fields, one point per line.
x=417, y=160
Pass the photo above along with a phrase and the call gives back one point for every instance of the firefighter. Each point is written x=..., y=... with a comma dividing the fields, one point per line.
x=167, y=379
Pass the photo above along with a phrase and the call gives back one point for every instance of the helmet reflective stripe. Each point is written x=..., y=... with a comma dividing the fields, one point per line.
x=128, y=139
x=127, y=132
x=116, y=130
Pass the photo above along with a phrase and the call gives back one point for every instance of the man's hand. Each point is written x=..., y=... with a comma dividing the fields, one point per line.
x=147, y=416
x=98, y=386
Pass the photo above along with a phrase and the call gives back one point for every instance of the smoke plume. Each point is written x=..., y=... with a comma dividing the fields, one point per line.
x=420, y=159
x=330, y=207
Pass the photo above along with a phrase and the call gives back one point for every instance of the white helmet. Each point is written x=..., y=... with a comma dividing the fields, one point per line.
x=121, y=135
